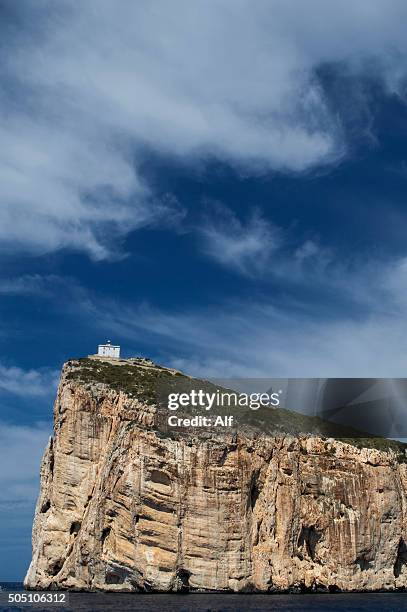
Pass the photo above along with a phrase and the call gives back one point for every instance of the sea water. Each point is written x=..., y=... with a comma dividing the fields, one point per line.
x=217, y=602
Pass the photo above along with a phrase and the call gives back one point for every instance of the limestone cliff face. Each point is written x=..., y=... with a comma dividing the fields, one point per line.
x=125, y=507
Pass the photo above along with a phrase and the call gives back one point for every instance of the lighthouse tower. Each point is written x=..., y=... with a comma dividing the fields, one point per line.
x=109, y=350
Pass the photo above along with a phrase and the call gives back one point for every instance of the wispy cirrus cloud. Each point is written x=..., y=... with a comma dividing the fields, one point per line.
x=256, y=339
x=28, y=284
x=365, y=334
x=257, y=248
x=243, y=247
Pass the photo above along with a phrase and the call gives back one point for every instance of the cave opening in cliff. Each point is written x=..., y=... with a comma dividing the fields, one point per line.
x=45, y=506
x=401, y=558
x=183, y=576
x=254, y=489
x=160, y=477
x=309, y=538
x=56, y=567
x=75, y=527
x=113, y=577
x=364, y=562
x=105, y=534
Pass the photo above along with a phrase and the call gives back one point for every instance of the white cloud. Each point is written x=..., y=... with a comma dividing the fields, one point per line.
x=364, y=335
x=91, y=86
x=65, y=188
x=28, y=284
x=247, y=248
x=28, y=382
x=259, y=340
x=260, y=249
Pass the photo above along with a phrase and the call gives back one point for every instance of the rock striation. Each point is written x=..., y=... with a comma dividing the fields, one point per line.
x=126, y=505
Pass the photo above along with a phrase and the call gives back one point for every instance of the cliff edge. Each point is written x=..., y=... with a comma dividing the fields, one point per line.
x=127, y=505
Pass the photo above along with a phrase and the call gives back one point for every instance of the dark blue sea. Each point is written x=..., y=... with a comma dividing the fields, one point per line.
x=217, y=602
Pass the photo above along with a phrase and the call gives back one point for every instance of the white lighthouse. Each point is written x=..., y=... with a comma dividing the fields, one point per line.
x=109, y=350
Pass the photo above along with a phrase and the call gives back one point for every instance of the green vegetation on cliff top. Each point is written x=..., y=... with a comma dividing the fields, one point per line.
x=151, y=384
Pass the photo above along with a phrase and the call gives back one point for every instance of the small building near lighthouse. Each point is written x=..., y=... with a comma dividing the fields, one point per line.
x=109, y=350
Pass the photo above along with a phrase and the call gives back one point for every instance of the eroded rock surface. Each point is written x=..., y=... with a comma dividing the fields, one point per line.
x=124, y=506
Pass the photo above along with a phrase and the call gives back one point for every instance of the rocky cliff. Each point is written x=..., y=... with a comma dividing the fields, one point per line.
x=127, y=505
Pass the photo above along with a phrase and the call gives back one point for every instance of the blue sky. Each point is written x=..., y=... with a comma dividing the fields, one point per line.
x=219, y=186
